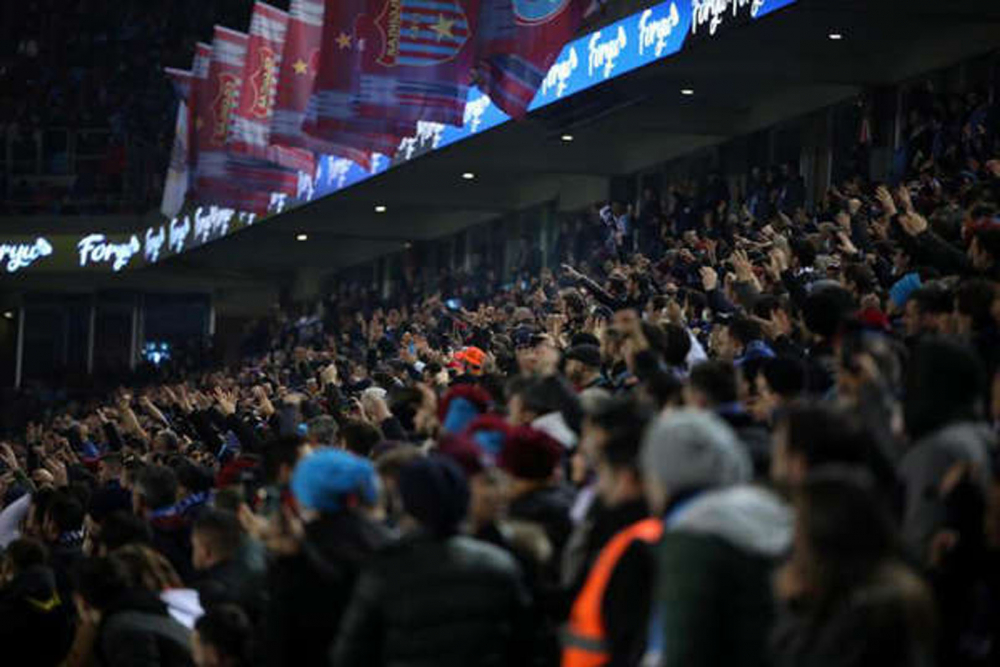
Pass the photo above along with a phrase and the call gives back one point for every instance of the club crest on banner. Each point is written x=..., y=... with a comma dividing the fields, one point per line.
x=265, y=83
x=421, y=33
x=532, y=12
x=224, y=105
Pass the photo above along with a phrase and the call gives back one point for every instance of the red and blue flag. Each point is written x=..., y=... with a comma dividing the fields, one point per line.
x=300, y=64
x=519, y=40
x=416, y=59
x=250, y=131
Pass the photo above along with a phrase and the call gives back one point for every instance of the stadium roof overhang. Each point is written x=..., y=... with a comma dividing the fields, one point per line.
x=745, y=80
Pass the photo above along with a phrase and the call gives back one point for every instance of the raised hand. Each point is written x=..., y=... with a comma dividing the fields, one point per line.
x=886, y=200
x=709, y=278
x=742, y=266
x=284, y=533
x=845, y=243
x=913, y=223
x=779, y=260
x=226, y=401
x=8, y=457
x=903, y=194
x=60, y=476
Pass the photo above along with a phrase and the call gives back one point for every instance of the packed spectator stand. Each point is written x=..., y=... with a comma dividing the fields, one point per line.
x=712, y=424
x=729, y=428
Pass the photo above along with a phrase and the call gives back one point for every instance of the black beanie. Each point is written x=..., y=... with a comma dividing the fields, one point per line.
x=435, y=493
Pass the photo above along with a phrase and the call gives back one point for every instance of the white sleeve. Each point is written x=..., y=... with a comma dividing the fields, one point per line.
x=10, y=519
x=697, y=353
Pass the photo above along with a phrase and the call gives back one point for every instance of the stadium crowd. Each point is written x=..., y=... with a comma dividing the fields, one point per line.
x=93, y=68
x=726, y=431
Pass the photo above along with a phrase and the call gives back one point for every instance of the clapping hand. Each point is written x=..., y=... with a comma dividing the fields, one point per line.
x=8, y=457
x=226, y=401
x=709, y=278
x=886, y=200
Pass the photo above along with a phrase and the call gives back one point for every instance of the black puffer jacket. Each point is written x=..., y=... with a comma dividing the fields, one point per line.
x=430, y=602
x=232, y=582
x=548, y=508
x=308, y=592
x=137, y=631
x=36, y=625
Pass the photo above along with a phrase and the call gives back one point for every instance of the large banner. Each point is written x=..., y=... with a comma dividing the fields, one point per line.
x=250, y=131
x=197, y=99
x=300, y=64
x=417, y=59
x=519, y=41
x=221, y=178
x=333, y=111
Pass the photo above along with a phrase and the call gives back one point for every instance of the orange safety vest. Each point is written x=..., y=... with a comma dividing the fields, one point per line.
x=584, y=641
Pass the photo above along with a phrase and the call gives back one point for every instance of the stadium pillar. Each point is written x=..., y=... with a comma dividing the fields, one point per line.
x=91, y=332
x=19, y=358
x=136, y=339
x=886, y=120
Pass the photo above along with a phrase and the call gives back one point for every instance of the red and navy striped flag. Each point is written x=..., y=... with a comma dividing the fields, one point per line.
x=519, y=41
x=250, y=130
x=217, y=96
x=332, y=114
x=197, y=95
x=300, y=64
x=416, y=59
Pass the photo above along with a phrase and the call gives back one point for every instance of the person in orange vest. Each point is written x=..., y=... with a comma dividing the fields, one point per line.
x=609, y=619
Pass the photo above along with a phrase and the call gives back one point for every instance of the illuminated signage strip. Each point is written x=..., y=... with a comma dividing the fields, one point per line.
x=15, y=256
x=638, y=40
x=115, y=252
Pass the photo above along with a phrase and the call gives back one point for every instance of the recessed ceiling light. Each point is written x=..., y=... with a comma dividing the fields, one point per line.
x=468, y=176
x=380, y=209
x=835, y=36
x=687, y=92
x=567, y=137
x=302, y=237
x=9, y=314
